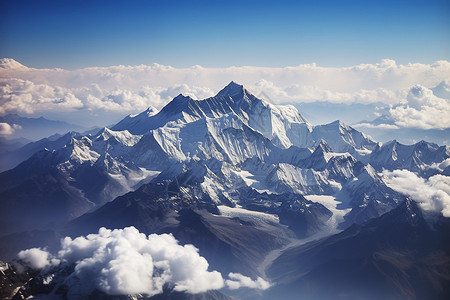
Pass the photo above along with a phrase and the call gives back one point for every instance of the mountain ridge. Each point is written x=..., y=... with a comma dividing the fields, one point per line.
x=218, y=133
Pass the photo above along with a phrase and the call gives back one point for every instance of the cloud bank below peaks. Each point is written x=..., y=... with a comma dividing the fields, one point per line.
x=127, y=262
x=432, y=194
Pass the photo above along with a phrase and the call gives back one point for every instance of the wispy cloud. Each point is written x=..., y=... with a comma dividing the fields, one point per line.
x=377, y=126
x=238, y=281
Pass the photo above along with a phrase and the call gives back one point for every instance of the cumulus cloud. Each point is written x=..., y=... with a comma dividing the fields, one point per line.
x=432, y=194
x=125, y=261
x=24, y=96
x=37, y=258
x=419, y=108
x=6, y=129
x=422, y=110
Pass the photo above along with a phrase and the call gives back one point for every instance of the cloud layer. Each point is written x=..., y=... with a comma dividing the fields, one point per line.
x=127, y=262
x=432, y=194
x=119, y=90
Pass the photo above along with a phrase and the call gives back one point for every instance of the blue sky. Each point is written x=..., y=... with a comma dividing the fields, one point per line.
x=75, y=34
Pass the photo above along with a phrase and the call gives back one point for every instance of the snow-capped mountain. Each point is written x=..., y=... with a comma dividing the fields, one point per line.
x=281, y=124
x=233, y=175
x=228, y=142
x=13, y=157
x=419, y=157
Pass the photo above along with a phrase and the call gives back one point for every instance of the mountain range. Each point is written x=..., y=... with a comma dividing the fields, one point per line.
x=38, y=128
x=241, y=179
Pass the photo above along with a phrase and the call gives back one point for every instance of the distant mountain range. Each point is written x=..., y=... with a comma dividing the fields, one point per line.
x=38, y=128
x=240, y=179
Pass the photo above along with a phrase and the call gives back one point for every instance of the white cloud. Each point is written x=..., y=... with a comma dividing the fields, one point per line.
x=419, y=108
x=125, y=261
x=422, y=110
x=379, y=126
x=121, y=90
x=438, y=166
x=36, y=258
x=432, y=194
x=308, y=93
x=6, y=129
x=238, y=281
x=24, y=96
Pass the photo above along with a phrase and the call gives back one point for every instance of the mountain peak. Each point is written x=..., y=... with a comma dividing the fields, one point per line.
x=442, y=90
x=151, y=111
x=407, y=212
x=11, y=64
x=322, y=145
x=338, y=123
x=181, y=97
x=232, y=89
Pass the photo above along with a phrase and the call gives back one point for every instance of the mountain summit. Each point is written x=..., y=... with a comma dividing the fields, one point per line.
x=232, y=89
x=284, y=125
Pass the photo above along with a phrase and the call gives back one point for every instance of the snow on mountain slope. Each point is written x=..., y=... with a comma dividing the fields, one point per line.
x=11, y=64
x=136, y=121
x=343, y=138
x=282, y=124
x=393, y=155
x=247, y=215
x=339, y=209
x=12, y=159
x=120, y=137
x=225, y=138
x=287, y=178
x=369, y=196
